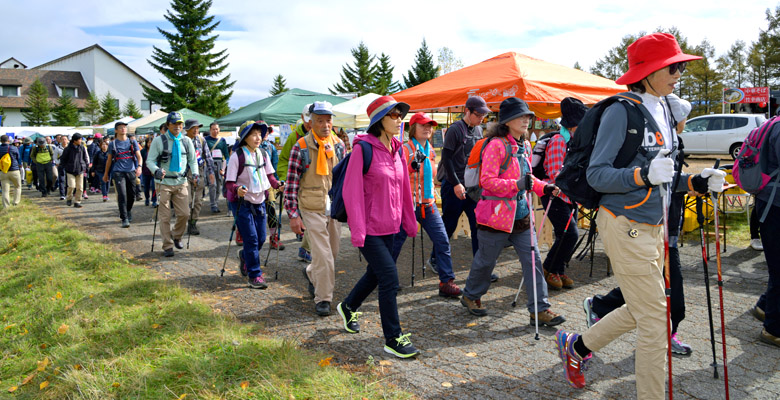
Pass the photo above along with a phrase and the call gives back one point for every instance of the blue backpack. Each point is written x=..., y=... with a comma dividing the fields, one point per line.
x=337, y=209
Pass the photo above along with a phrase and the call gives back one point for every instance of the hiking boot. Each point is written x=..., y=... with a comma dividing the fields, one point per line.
x=154, y=204
x=215, y=210
x=68, y=203
x=546, y=273
x=548, y=318
x=494, y=277
x=768, y=338
x=168, y=252
x=257, y=282
x=146, y=202
x=679, y=348
x=590, y=317
x=449, y=289
x=304, y=255
x=275, y=242
x=125, y=223
x=349, y=317
x=554, y=281
x=239, y=239
x=84, y=195
x=432, y=265
x=758, y=313
x=139, y=197
x=756, y=244
x=105, y=199
x=241, y=263
x=401, y=347
x=310, y=285
x=322, y=308
x=474, y=306
x=192, y=229
x=566, y=282
x=62, y=197
x=573, y=364
x=177, y=244
x=129, y=216
x=77, y=205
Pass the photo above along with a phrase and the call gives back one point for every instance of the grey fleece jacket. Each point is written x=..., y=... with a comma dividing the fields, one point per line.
x=624, y=192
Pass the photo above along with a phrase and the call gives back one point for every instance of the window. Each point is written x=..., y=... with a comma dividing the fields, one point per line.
x=720, y=124
x=146, y=105
x=25, y=123
x=10, y=91
x=697, y=125
x=70, y=91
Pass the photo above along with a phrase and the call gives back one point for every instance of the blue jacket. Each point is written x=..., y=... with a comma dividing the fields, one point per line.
x=15, y=162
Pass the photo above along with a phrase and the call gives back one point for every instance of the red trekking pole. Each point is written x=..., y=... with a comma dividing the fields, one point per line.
x=720, y=286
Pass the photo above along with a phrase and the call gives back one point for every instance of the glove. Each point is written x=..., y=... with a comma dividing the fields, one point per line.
x=715, y=179
x=525, y=182
x=159, y=174
x=549, y=189
x=659, y=170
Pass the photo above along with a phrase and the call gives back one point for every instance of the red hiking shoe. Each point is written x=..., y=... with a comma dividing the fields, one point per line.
x=573, y=364
x=449, y=289
x=275, y=242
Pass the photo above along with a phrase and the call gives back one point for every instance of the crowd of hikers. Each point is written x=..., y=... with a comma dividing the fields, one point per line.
x=622, y=156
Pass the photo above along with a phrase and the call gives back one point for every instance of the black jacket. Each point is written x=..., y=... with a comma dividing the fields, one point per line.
x=74, y=159
x=99, y=162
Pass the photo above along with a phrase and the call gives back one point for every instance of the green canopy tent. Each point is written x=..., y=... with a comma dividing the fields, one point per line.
x=284, y=108
x=154, y=126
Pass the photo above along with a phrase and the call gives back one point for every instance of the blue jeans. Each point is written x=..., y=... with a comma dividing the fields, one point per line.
x=381, y=272
x=148, y=183
x=770, y=300
x=452, y=208
x=433, y=225
x=104, y=187
x=565, y=239
x=251, y=224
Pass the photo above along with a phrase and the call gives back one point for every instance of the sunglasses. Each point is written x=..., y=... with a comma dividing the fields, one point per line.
x=680, y=66
x=394, y=114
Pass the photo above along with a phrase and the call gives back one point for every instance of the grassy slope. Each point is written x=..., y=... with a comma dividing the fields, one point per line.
x=80, y=318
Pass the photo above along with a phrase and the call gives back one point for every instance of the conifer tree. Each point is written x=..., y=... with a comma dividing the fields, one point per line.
x=2, y=116
x=384, y=76
x=66, y=113
x=131, y=109
x=359, y=78
x=38, y=108
x=109, y=110
x=92, y=108
x=423, y=69
x=279, y=85
x=191, y=68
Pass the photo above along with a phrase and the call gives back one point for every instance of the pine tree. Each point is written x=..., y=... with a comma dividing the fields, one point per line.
x=360, y=78
x=66, y=113
x=423, y=69
x=92, y=108
x=577, y=66
x=109, y=110
x=2, y=116
x=38, y=109
x=384, y=76
x=131, y=109
x=191, y=69
x=279, y=85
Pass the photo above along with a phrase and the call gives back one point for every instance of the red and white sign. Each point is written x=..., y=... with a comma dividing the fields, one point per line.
x=746, y=95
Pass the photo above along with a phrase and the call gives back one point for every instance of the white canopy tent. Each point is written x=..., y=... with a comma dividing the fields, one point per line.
x=145, y=120
x=126, y=120
x=352, y=114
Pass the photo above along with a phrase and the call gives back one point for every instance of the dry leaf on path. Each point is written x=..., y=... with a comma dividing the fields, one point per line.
x=385, y=363
x=244, y=385
x=28, y=379
x=471, y=354
x=62, y=329
x=325, y=362
x=43, y=385
x=446, y=384
x=470, y=324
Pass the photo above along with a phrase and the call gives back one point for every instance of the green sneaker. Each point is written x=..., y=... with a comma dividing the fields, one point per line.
x=349, y=317
x=401, y=347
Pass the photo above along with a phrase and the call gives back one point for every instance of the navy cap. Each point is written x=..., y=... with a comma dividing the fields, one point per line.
x=175, y=117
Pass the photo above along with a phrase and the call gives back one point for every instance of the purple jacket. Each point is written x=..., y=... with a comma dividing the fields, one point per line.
x=379, y=202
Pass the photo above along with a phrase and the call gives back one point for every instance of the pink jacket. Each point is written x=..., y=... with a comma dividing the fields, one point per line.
x=500, y=214
x=380, y=201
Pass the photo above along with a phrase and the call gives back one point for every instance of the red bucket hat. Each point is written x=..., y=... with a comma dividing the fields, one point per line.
x=422, y=119
x=651, y=53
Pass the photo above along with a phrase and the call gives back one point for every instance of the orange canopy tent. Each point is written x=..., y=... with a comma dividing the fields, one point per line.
x=541, y=84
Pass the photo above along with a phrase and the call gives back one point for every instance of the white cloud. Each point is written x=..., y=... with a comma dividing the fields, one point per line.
x=309, y=43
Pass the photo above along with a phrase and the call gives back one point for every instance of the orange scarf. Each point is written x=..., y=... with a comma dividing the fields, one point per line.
x=324, y=152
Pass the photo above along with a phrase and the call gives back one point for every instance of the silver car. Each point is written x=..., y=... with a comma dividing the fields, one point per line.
x=719, y=133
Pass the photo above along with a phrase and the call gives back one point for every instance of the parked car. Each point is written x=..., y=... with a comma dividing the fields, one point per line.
x=719, y=133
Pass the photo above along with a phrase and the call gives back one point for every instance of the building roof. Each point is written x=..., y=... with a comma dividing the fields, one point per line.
x=98, y=47
x=26, y=77
x=12, y=58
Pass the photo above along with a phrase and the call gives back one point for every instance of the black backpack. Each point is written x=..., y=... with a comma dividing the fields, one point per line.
x=572, y=180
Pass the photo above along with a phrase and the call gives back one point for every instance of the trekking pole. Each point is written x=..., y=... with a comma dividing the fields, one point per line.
x=700, y=219
x=667, y=287
x=232, y=230
x=533, y=261
x=278, y=236
x=154, y=230
x=520, y=287
x=189, y=224
x=720, y=286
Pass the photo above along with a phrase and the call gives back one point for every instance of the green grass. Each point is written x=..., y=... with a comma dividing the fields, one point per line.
x=89, y=323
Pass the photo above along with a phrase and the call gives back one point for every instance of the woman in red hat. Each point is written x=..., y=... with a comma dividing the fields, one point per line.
x=631, y=213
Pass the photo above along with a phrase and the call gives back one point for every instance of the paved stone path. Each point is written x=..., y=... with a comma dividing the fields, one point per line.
x=464, y=357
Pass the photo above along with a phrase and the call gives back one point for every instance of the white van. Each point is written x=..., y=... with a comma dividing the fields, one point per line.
x=719, y=133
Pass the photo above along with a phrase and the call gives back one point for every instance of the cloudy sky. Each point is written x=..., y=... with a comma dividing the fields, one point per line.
x=309, y=42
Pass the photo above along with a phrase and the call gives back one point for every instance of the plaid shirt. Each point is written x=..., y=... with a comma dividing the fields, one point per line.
x=293, y=182
x=553, y=160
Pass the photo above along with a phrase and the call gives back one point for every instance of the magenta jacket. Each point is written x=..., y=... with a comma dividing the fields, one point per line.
x=380, y=201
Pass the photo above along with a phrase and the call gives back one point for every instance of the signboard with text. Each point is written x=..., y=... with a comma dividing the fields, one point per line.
x=746, y=95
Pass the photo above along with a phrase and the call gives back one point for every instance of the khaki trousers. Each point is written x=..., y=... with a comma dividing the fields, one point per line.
x=178, y=195
x=197, y=191
x=324, y=234
x=7, y=180
x=638, y=265
x=74, y=182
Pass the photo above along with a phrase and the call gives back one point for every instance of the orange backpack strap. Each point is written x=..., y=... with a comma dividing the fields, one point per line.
x=302, y=143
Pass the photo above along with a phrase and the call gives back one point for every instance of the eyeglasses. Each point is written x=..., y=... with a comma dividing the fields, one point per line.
x=680, y=66
x=394, y=114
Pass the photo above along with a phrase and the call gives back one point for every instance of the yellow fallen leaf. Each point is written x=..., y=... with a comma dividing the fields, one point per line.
x=12, y=389
x=77, y=367
x=155, y=326
x=446, y=384
x=471, y=354
x=43, y=385
x=226, y=298
x=115, y=384
x=91, y=296
x=43, y=364
x=385, y=362
x=69, y=306
x=244, y=385
x=112, y=301
x=59, y=295
x=57, y=371
x=62, y=329
x=29, y=286
x=24, y=332
x=342, y=272
x=182, y=397
x=470, y=324
x=9, y=326
x=28, y=379
x=43, y=346
x=325, y=362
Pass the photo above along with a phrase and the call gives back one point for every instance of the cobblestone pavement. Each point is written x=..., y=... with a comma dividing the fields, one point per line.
x=463, y=357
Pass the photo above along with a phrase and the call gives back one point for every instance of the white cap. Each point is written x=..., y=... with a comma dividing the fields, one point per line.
x=322, y=108
x=306, y=113
x=680, y=108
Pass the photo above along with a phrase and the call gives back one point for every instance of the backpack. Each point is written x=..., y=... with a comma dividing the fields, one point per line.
x=5, y=162
x=749, y=169
x=539, y=154
x=239, y=154
x=338, y=210
x=474, y=166
x=165, y=155
x=572, y=180
x=338, y=147
x=133, y=145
